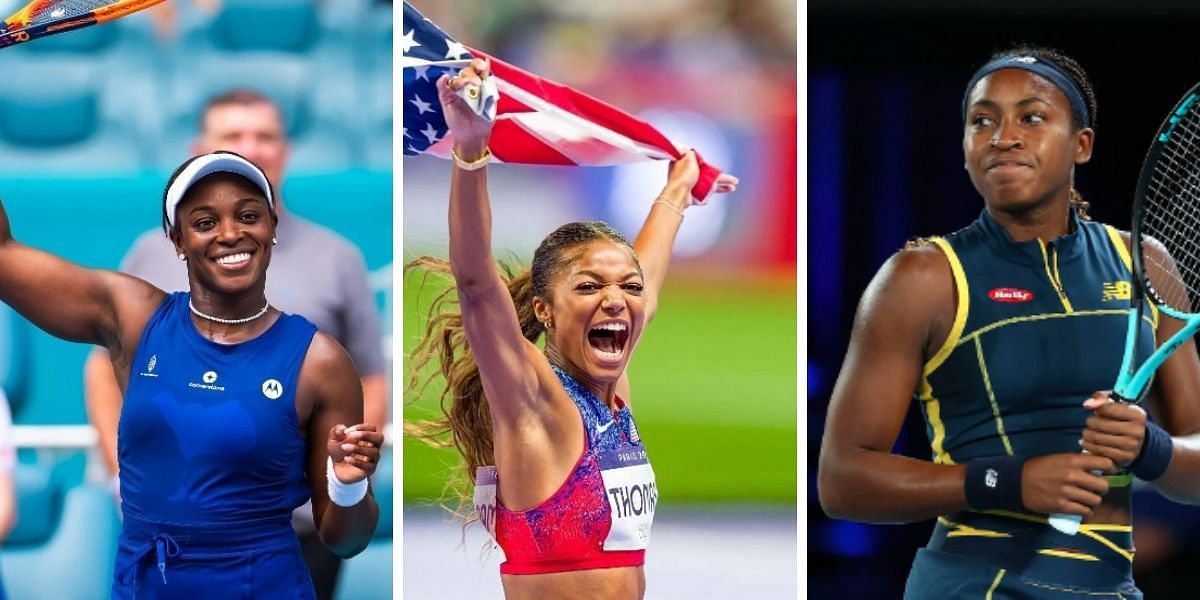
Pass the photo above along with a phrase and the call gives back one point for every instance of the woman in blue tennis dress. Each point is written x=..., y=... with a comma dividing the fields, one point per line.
x=235, y=413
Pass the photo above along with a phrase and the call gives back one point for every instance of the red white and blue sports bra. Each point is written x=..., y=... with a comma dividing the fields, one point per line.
x=601, y=516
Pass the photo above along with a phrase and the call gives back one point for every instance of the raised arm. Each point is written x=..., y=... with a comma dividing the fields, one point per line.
x=69, y=301
x=656, y=238
x=902, y=320
x=504, y=356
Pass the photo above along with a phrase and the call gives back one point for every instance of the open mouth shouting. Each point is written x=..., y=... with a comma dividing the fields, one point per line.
x=608, y=340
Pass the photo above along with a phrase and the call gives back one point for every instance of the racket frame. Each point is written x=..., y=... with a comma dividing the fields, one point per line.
x=25, y=32
x=1132, y=384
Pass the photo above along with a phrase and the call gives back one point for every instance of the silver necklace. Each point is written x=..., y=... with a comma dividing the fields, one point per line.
x=252, y=317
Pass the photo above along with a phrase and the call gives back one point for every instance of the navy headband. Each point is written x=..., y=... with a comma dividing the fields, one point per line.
x=1034, y=64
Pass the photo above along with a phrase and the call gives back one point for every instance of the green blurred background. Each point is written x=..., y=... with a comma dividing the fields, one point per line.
x=714, y=380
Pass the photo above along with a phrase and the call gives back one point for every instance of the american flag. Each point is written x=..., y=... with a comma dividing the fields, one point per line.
x=538, y=121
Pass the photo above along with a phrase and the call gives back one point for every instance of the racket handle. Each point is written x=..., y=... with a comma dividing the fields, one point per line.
x=1068, y=524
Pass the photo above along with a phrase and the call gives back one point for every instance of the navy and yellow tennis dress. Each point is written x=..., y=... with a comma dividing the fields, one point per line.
x=212, y=463
x=1039, y=327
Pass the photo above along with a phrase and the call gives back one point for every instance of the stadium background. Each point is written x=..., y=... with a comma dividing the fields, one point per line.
x=716, y=373
x=885, y=83
x=91, y=124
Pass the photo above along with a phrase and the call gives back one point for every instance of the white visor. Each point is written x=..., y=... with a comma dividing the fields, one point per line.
x=207, y=164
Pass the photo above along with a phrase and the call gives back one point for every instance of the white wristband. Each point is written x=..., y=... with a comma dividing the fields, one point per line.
x=343, y=494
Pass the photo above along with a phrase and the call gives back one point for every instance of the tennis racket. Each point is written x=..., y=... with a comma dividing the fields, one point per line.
x=1165, y=250
x=41, y=18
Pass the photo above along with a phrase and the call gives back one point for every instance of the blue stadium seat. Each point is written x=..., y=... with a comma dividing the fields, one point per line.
x=64, y=544
x=54, y=120
x=273, y=25
x=369, y=575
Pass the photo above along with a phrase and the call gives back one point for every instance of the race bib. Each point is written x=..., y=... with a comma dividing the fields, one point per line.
x=632, y=496
x=485, y=498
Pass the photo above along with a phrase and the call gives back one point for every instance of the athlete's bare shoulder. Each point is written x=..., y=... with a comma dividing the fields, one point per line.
x=915, y=286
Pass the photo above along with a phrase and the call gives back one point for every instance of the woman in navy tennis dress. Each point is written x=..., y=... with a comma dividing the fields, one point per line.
x=235, y=413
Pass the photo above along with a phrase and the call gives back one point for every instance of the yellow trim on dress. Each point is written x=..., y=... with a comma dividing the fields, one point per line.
x=960, y=530
x=925, y=390
x=995, y=584
x=1091, y=532
x=960, y=313
x=1068, y=554
x=991, y=395
x=1053, y=275
x=1114, y=236
x=1041, y=317
x=933, y=411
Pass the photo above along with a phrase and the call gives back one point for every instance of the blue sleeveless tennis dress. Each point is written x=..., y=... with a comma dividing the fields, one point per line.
x=212, y=463
x=1039, y=327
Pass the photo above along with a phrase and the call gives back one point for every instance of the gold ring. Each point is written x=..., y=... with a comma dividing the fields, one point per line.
x=450, y=82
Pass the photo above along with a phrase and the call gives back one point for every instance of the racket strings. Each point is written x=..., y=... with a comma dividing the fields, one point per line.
x=64, y=9
x=1171, y=216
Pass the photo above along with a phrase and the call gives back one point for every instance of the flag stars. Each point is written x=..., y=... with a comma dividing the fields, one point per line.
x=408, y=42
x=455, y=49
x=423, y=72
x=430, y=133
x=422, y=106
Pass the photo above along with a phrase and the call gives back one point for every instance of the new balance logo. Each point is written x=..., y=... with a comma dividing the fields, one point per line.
x=1116, y=290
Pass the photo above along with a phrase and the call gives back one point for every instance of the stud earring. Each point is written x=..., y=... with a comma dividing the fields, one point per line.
x=182, y=257
x=274, y=241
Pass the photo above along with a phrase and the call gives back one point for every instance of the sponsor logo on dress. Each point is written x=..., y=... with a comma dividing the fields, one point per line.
x=209, y=378
x=1116, y=290
x=272, y=389
x=149, y=372
x=602, y=428
x=1011, y=295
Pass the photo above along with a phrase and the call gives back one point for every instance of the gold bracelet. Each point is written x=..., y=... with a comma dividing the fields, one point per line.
x=474, y=165
x=677, y=210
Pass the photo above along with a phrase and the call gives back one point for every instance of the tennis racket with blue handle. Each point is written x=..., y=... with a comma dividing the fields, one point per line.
x=1165, y=251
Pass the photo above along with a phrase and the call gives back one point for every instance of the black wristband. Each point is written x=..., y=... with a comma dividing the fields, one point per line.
x=994, y=482
x=1155, y=455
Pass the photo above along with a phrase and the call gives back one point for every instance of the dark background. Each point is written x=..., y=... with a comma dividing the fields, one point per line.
x=885, y=83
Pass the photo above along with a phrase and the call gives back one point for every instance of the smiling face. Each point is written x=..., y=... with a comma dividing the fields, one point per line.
x=1020, y=145
x=224, y=229
x=595, y=312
